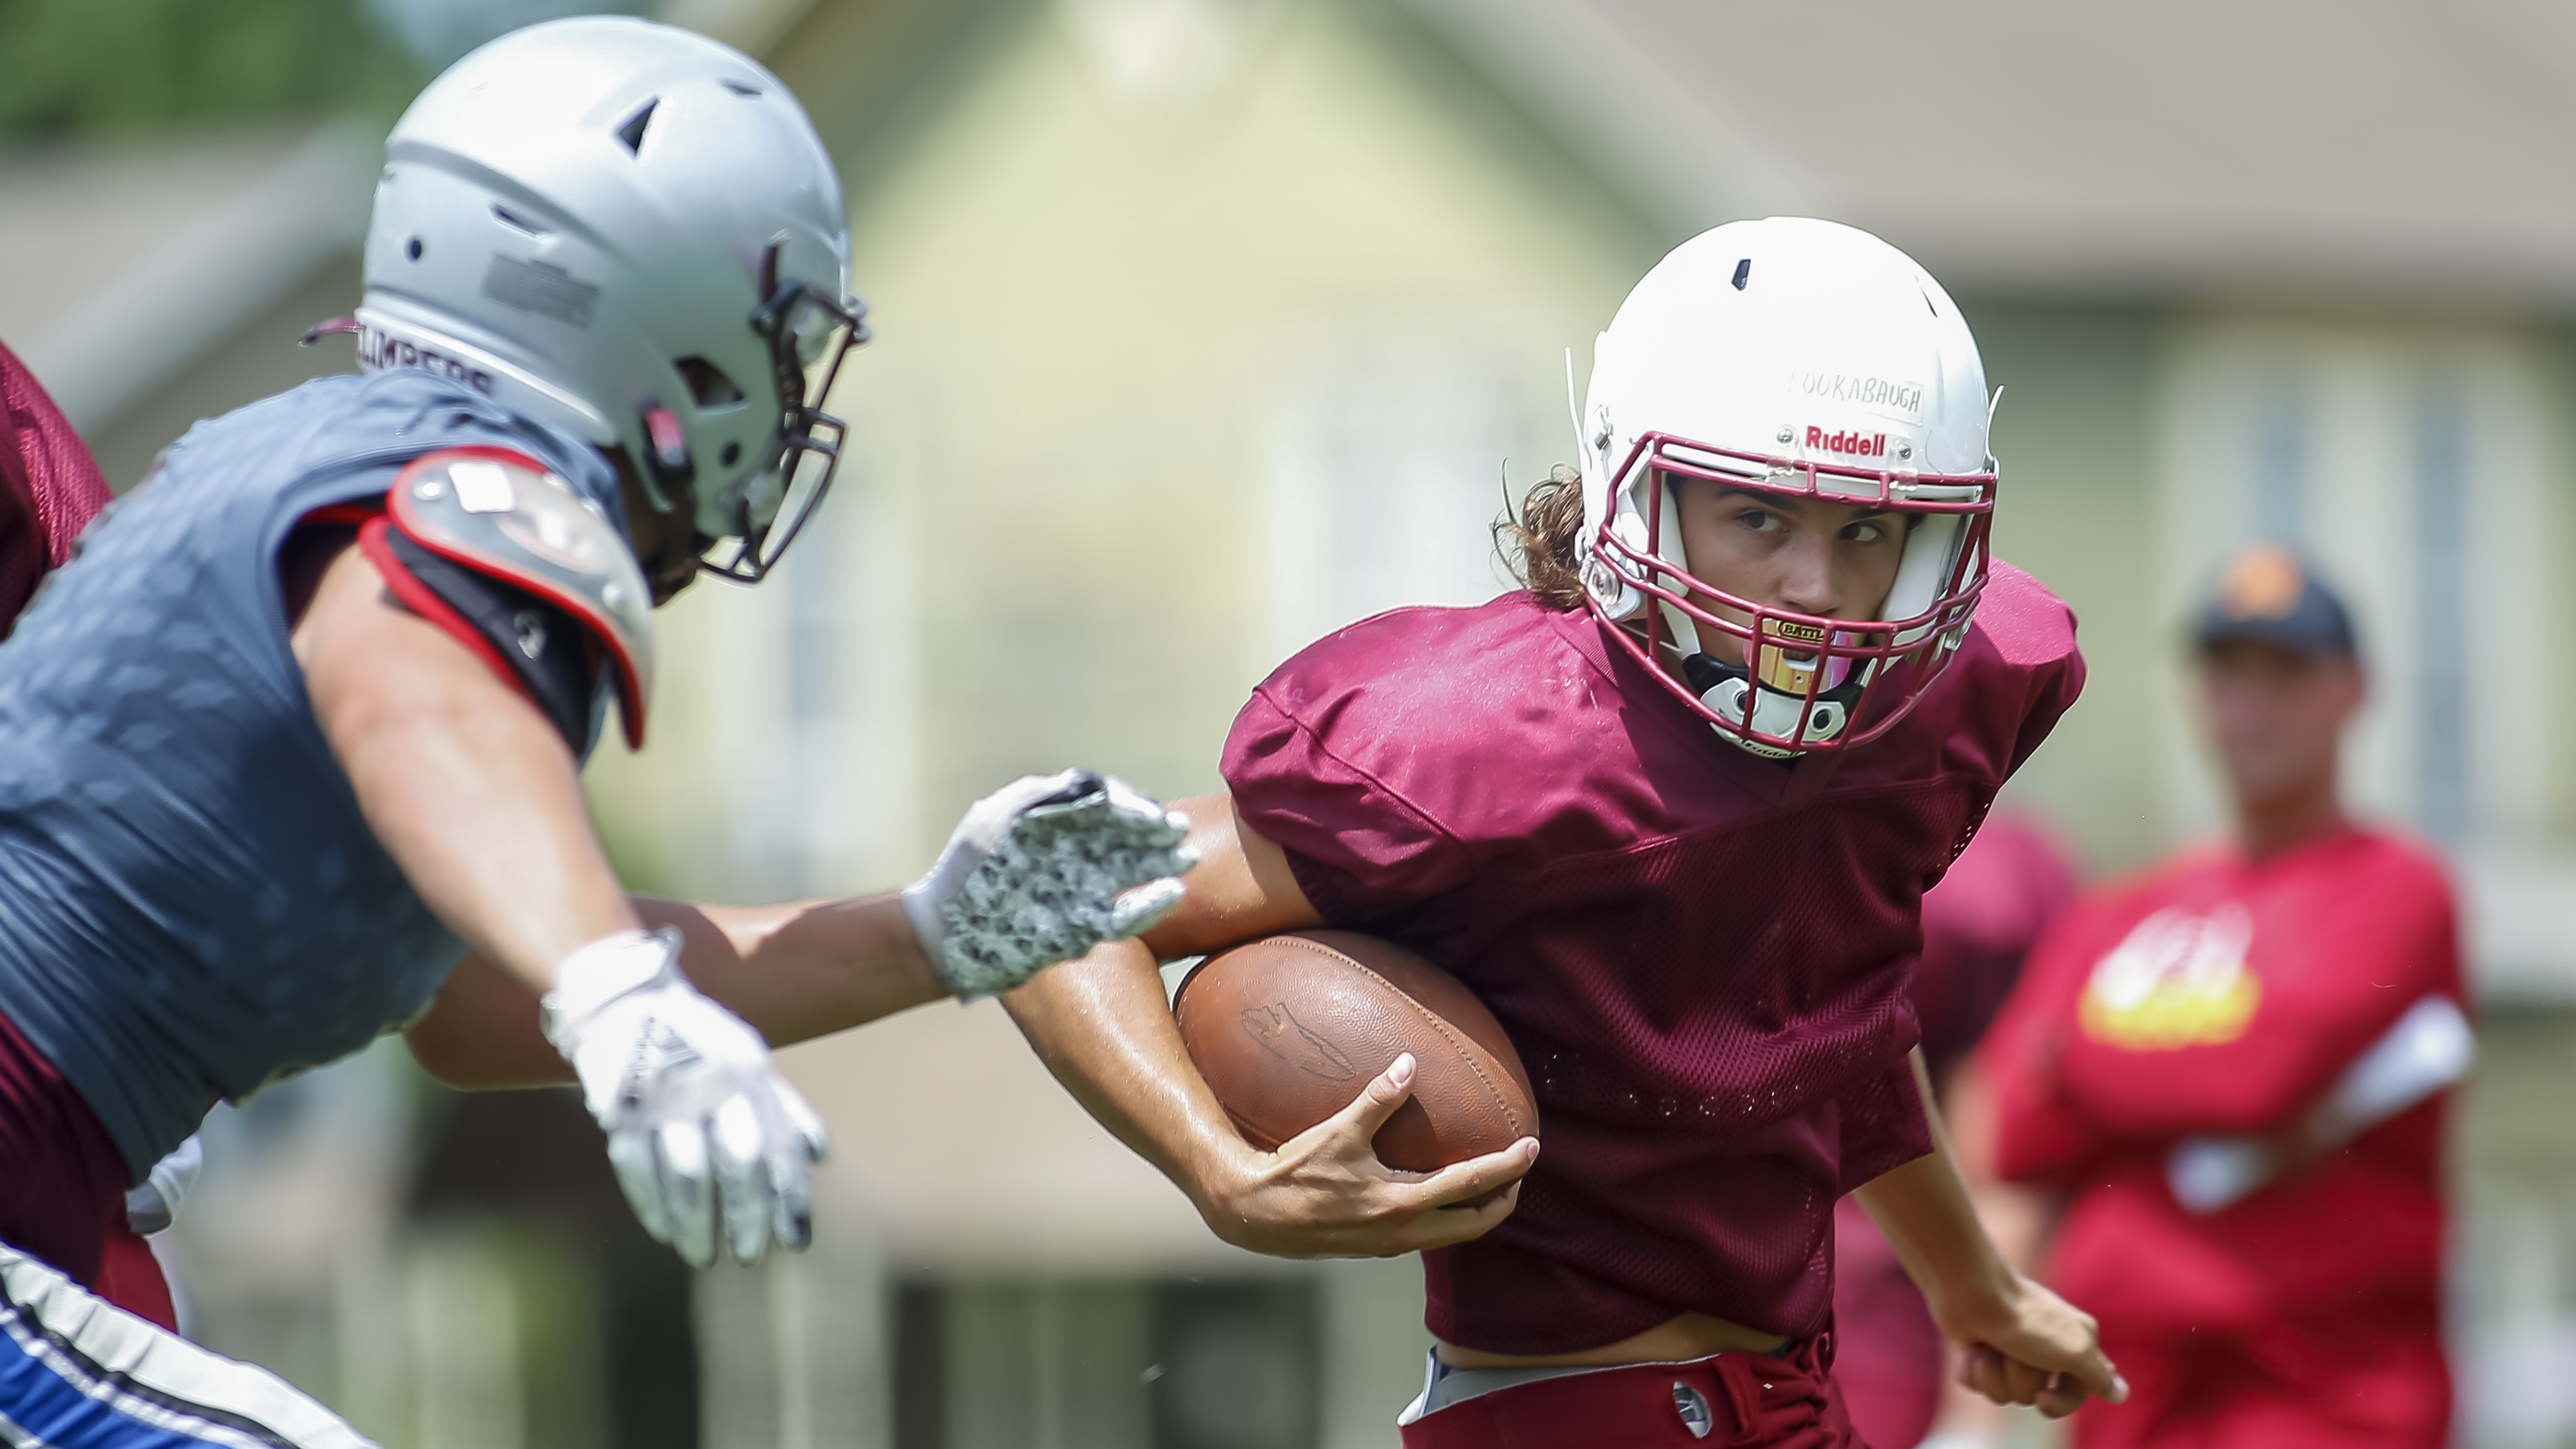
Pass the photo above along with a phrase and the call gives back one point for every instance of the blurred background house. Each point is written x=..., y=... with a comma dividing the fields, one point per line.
x=1206, y=325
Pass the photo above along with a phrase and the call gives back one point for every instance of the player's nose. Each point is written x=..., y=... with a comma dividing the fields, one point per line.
x=1809, y=583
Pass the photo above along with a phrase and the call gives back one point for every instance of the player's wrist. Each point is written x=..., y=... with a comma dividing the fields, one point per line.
x=1977, y=1301
x=1224, y=1173
x=1241, y=1190
x=613, y=966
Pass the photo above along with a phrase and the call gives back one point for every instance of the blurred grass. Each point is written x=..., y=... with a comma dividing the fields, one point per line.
x=74, y=68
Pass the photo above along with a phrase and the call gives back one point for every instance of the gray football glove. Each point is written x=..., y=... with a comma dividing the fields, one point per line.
x=1041, y=871
x=697, y=1117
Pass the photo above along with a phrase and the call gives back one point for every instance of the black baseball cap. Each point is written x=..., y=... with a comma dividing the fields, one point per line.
x=2269, y=595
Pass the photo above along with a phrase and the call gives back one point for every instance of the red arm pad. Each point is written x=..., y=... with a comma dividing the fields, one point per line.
x=422, y=600
x=506, y=516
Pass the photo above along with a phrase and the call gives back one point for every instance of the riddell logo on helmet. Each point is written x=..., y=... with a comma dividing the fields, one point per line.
x=377, y=350
x=1858, y=445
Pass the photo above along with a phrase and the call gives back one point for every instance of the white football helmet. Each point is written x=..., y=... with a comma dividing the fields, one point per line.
x=631, y=232
x=1802, y=357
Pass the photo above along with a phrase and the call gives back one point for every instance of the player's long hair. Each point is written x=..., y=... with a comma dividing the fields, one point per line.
x=1543, y=543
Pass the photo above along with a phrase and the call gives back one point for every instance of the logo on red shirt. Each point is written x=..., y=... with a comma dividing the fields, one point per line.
x=2176, y=980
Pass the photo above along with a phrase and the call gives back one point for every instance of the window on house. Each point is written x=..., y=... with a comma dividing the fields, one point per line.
x=2409, y=466
x=1387, y=470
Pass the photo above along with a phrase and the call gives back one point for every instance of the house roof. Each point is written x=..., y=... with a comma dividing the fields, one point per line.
x=128, y=259
x=2384, y=152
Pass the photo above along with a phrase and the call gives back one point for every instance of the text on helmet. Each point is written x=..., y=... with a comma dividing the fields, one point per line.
x=1869, y=392
x=1859, y=445
x=378, y=350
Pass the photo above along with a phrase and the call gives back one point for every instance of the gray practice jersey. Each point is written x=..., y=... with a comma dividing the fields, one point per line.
x=190, y=902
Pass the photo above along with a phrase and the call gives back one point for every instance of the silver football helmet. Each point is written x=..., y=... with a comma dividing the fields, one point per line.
x=631, y=232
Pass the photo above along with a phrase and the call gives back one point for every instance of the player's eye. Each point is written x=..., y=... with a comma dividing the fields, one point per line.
x=1866, y=531
x=1760, y=520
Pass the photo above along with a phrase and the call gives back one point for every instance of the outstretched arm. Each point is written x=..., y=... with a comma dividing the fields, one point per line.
x=467, y=786
x=795, y=971
x=2025, y=1344
x=1036, y=873
x=1104, y=1027
x=478, y=800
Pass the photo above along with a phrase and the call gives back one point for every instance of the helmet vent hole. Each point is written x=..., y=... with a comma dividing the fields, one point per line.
x=1743, y=273
x=632, y=133
x=519, y=224
x=411, y=249
x=708, y=385
x=732, y=454
x=738, y=88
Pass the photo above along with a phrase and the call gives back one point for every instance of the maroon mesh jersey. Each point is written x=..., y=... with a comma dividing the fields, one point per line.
x=49, y=487
x=1701, y=955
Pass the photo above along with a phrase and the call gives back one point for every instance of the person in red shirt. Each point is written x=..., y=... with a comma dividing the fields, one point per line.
x=1979, y=924
x=2234, y=1067
x=1670, y=812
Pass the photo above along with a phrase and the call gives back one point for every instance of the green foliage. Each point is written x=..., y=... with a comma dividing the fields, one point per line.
x=86, y=67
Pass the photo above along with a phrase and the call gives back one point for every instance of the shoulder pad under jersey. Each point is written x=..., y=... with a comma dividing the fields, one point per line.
x=504, y=514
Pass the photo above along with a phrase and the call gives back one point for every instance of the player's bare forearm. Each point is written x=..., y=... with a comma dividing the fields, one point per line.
x=1931, y=1222
x=795, y=971
x=803, y=969
x=1104, y=1027
x=2015, y=1217
x=467, y=786
x=2025, y=1344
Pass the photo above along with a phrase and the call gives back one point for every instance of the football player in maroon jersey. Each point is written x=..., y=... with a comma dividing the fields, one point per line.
x=1670, y=811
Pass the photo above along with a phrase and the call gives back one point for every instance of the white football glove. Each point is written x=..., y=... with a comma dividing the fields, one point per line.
x=1041, y=871
x=695, y=1113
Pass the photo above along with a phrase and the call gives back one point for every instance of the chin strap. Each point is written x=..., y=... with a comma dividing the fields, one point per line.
x=1722, y=687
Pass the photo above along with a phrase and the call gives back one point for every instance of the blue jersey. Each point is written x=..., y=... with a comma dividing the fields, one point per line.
x=191, y=904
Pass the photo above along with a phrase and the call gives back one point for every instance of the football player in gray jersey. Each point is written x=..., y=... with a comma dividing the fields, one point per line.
x=289, y=757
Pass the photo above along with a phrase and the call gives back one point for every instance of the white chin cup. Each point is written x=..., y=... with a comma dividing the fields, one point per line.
x=1774, y=713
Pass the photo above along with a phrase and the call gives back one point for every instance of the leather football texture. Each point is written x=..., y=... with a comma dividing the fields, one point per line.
x=1287, y=1030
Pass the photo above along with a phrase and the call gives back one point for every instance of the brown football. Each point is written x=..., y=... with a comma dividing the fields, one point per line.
x=1289, y=1028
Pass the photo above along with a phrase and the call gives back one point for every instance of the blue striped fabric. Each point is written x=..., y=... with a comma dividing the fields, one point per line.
x=78, y=1373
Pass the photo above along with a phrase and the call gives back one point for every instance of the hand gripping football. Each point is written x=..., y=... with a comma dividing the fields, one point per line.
x=1289, y=1028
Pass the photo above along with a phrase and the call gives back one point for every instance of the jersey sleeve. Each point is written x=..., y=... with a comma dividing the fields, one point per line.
x=2034, y=632
x=1883, y=1125
x=1354, y=842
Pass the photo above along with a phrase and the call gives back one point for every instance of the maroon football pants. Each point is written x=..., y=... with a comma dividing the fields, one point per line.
x=1738, y=1400
x=62, y=1185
